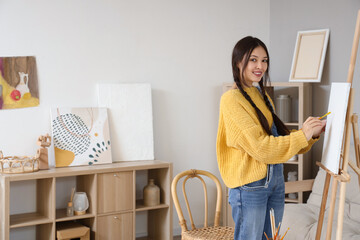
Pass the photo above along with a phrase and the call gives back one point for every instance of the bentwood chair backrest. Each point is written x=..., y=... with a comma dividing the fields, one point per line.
x=201, y=233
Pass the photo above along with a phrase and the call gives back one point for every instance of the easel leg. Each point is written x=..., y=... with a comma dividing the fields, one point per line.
x=331, y=209
x=355, y=126
x=323, y=205
x=345, y=162
x=341, y=210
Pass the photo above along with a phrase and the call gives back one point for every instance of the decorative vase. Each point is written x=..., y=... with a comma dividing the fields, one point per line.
x=81, y=203
x=23, y=86
x=151, y=194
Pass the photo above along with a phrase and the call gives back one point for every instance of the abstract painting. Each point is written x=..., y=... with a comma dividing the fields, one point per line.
x=130, y=118
x=18, y=82
x=81, y=136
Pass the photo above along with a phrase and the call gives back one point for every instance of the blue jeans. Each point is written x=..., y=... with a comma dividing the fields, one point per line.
x=252, y=202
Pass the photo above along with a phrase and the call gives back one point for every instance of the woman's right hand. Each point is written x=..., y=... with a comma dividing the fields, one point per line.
x=310, y=125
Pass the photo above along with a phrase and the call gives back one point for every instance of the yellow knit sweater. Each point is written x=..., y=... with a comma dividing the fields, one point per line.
x=243, y=147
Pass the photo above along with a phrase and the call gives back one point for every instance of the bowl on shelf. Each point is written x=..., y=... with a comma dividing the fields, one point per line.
x=18, y=164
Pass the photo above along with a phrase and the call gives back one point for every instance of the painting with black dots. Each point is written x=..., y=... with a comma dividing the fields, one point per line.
x=81, y=136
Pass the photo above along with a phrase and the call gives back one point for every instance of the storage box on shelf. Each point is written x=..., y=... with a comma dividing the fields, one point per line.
x=301, y=94
x=112, y=208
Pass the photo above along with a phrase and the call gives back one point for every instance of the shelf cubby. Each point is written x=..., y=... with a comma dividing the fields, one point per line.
x=162, y=178
x=82, y=183
x=33, y=232
x=43, y=202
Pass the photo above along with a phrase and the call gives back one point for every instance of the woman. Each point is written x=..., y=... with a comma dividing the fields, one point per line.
x=252, y=143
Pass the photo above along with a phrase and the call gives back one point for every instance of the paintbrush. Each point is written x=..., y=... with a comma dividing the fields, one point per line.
x=324, y=115
x=272, y=221
x=72, y=194
x=285, y=234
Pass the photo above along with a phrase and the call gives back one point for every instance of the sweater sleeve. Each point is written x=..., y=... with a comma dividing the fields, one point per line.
x=244, y=131
x=311, y=143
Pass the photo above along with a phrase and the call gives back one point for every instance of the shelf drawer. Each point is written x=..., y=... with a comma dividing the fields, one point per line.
x=119, y=225
x=115, y=192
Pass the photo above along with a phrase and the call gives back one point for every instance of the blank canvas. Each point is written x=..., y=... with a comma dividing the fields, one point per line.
x=334, y=132
x=130, y=119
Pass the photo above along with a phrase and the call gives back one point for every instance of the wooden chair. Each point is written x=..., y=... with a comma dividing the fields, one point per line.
x=215, y=232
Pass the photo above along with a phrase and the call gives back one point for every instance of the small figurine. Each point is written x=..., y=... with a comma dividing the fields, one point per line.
x=43, y=142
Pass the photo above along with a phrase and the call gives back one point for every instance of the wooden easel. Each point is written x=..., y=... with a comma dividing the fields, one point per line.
x=342, y=177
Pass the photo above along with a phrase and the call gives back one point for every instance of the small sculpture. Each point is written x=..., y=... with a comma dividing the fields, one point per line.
x=43, y=142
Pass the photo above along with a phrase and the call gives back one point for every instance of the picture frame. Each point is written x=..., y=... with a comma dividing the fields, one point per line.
x=309, y=56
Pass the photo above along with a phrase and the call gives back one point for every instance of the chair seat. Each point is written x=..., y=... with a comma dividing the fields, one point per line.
x=215, y=233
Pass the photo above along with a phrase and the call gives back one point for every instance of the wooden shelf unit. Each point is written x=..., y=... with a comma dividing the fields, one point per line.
x=301, y=95
x=110, y=189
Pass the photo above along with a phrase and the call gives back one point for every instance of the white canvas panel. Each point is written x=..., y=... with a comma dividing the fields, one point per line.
x=131, y=120
x=334, y=132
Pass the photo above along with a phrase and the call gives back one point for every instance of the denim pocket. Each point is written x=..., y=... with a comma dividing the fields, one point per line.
x=257, y=185
x=234, y=197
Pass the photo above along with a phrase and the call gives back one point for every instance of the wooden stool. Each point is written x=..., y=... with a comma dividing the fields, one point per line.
x=70, y=230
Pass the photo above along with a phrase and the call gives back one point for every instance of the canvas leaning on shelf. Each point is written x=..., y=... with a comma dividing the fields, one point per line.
x=81, y=136
x=131, y=119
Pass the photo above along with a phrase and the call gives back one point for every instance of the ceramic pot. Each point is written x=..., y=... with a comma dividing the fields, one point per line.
x=283, y=108
x=151, y=194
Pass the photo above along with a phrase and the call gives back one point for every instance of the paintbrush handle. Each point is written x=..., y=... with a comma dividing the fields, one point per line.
x=72, y=194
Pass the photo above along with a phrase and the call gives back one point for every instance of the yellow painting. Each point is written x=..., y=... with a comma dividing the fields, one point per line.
x=18, y=82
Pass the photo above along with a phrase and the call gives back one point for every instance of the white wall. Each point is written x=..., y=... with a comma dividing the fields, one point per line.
x=183, y=48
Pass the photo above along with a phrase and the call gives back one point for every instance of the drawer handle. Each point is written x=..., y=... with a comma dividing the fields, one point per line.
x=115, y=175
x=116, y=218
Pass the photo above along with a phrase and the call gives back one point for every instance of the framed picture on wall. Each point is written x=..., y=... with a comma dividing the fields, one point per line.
x=309, y=56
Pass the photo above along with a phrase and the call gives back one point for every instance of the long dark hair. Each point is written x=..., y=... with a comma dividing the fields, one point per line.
x=241, y=53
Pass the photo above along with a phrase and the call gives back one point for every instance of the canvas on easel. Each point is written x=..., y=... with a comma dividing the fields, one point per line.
x=334, y=131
